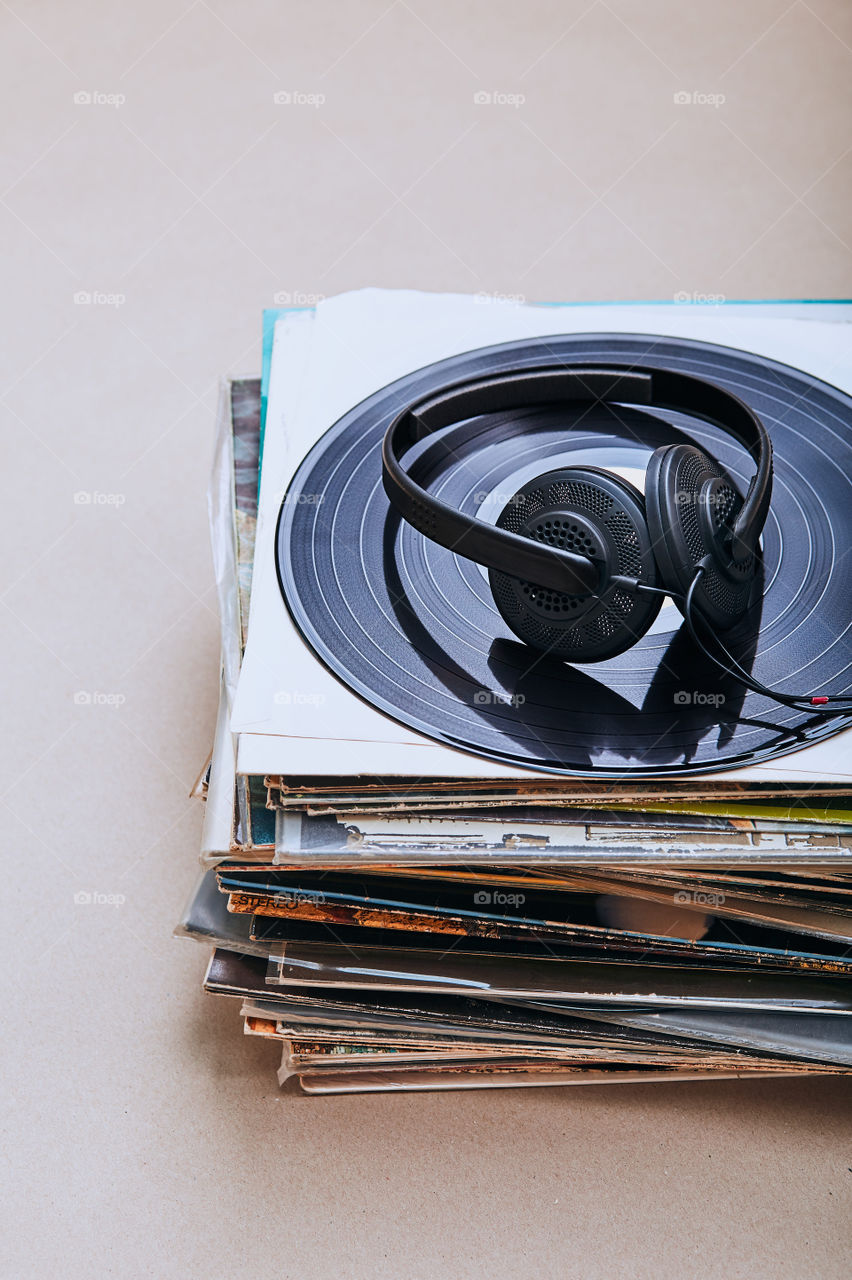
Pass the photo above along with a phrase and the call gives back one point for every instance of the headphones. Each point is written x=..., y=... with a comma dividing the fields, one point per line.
x=579, y=562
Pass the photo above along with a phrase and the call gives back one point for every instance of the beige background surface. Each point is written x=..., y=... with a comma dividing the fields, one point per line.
x=142, y=1135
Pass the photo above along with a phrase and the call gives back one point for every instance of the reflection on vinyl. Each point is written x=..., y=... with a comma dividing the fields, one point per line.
x=412, y=628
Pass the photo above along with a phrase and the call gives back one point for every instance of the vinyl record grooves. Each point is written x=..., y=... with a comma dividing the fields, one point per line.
x=413, y=629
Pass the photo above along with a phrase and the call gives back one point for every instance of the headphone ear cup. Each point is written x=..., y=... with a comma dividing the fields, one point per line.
x=596, y=514
x=690, y=502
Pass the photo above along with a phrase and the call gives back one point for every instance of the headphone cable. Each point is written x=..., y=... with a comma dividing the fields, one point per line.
x=820, y=704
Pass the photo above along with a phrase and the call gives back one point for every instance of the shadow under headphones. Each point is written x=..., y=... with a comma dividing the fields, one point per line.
x=579, y=562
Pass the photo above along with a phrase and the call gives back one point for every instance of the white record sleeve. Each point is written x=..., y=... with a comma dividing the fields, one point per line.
x=291, y=715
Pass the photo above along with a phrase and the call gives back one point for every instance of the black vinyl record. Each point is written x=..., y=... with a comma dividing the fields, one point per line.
x=412, y=628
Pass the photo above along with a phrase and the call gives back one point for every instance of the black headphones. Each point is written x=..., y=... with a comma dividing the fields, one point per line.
x=579, y=562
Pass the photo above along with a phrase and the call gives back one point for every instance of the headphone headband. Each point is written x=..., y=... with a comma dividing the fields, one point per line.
x=521, y=557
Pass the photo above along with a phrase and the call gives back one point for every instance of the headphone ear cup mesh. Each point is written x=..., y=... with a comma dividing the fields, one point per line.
x=681, y=480
x=598, y=515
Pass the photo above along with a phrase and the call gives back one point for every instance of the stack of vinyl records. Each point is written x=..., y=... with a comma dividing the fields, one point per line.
x=469, y=829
